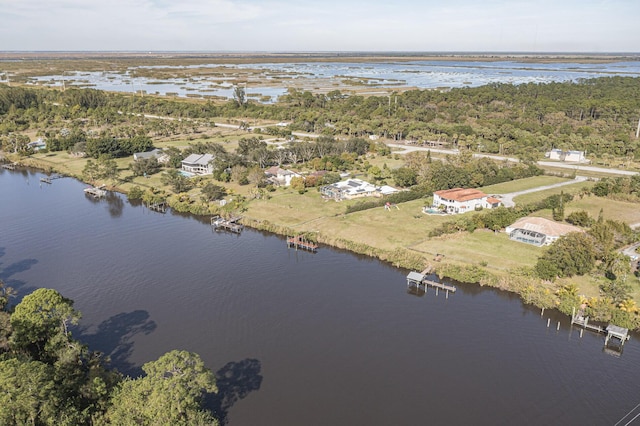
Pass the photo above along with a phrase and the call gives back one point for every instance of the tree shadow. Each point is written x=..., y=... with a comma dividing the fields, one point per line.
x=6, y=274
x=235, y=381
x=114, y=338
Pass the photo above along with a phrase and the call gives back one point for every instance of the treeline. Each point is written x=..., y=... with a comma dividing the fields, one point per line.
x=49, y=378
x=465, y=171
x=597, y=115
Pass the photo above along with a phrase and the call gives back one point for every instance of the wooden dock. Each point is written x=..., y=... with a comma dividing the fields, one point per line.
x=10, y=166
x=50, y=179
x=96, y=191
x=613, y=332
x=299, y=242
x=232, y=224
x=420, y=279
x=160, y=207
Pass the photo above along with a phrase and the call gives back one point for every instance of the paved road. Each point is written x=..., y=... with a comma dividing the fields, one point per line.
x=570, y=166
x=507, y=199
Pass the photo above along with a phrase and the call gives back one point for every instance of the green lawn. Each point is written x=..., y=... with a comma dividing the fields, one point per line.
x=496, y=249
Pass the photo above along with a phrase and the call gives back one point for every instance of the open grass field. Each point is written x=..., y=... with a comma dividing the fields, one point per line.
x=493, y=250
x=611, y=209
x=522, y=184
x=534, y=197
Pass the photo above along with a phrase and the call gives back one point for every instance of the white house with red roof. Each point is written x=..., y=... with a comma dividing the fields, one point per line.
x=461, y=200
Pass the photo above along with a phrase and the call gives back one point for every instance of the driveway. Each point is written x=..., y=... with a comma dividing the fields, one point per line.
x=507, y=199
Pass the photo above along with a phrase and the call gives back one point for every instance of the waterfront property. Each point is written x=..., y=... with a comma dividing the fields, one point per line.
x=461, y=200
x=200, y=164
x=279, y=176
x=355, y=188
x=538, y=231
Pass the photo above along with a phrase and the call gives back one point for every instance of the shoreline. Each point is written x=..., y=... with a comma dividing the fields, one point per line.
x=530, y=290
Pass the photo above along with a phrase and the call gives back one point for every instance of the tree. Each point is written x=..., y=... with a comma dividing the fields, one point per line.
x=103, y=168
x=41, y=324
x=404, y=177
x=145, y=167
x=239, y=95
x=572, y=254
x=580, y=218
x=171, y=393
x=212, y=192
x=27, y=393
x=178, y=182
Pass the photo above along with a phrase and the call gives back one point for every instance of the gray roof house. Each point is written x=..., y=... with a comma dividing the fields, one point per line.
x=198, y=164
x=154, y=153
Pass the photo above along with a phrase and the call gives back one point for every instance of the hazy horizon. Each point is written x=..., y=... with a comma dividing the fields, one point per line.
x=593, y=26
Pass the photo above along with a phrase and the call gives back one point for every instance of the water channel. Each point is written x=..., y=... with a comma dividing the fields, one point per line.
x=299, y=338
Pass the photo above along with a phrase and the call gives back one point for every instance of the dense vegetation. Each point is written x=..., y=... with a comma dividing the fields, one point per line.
x=598, y=115
x=49, y=378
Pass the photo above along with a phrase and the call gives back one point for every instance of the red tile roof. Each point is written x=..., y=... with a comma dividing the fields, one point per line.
x=460, y=194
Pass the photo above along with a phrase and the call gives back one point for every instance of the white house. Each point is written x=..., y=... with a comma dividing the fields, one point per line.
x=38, y=144
x=538, y=231
x=569, y=156
x=198, y=164
x=460, y=200
x=355, y=188
x=280, y=176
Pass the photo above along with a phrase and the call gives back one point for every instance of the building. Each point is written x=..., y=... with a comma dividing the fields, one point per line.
x=154, y=153
x=37, y=145
x=279, y=176
x=460, y=200
x=568, y=156
x=538, y=231
x=199, y=164
x=355, y=188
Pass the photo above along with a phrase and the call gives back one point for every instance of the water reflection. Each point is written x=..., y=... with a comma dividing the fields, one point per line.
x=116, y=204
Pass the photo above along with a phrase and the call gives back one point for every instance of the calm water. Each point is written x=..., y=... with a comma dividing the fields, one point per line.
x=420, y=74
x=298, y=338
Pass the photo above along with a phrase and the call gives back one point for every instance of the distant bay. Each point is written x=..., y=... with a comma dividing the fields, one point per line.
x=266, y=81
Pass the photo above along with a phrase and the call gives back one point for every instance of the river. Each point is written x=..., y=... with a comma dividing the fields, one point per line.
x=299, y=338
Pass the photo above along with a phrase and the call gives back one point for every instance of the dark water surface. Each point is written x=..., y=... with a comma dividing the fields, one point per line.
x=299, y=338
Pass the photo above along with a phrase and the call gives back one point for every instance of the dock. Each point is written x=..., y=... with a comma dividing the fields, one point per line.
x=50, y=179
x=96, y=191
x=300, y=242
x=10, y=166
x=232, y=224
x=417, y=279
x=160, y=207
x=614, y=334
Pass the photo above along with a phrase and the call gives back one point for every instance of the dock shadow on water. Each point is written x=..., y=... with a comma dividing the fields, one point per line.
x=114, y=338
x=235, y=381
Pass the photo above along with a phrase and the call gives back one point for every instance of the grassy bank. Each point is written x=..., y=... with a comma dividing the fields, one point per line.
x=398, y=236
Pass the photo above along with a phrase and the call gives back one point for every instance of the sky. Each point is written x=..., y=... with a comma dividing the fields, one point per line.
x=321, y=25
